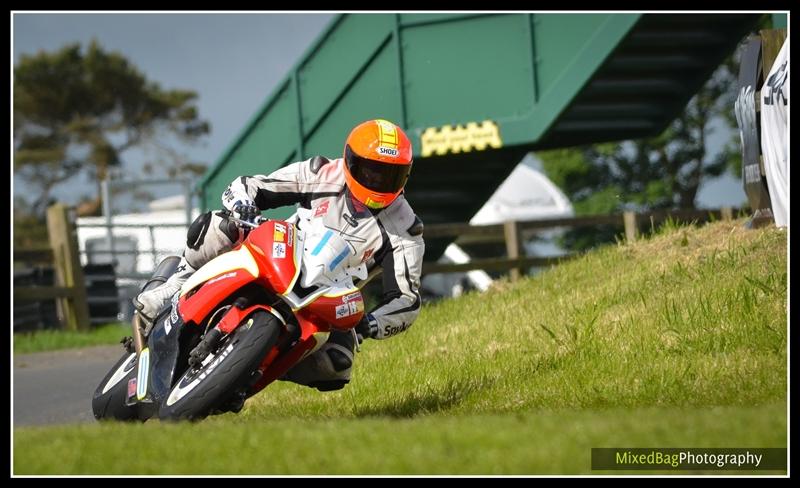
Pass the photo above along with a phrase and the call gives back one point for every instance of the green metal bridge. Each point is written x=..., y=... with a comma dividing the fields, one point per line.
x=475, y=92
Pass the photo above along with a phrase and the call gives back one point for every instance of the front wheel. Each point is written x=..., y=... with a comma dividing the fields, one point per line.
x=228, y=369
x=109, y=398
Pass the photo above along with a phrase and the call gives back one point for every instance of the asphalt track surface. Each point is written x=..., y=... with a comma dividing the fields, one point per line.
x=56, y=387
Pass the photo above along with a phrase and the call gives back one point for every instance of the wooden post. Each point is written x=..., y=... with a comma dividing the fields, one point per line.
x=68, y=271
x=726, y=213
x=629, y=218
x=771, y=44
x=511, y=230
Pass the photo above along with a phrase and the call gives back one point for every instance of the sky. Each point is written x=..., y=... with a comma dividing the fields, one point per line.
x=232, y=60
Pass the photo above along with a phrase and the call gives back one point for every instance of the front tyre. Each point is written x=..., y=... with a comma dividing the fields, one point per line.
x=109, y=398
x=227, y=369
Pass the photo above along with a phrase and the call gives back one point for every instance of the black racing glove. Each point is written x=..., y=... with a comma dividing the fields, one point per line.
x=367, y=328
x=246, y=211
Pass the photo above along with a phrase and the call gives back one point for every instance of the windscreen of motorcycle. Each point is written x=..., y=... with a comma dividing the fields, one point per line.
x=327, y=257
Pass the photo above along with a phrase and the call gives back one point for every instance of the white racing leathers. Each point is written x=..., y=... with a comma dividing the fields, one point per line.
x=391, y=237
x=775, y=135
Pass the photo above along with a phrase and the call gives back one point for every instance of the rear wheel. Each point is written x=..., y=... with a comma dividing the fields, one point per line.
x=109, y=398
x=225, y=372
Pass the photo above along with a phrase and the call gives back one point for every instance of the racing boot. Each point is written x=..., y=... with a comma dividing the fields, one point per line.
x=328, y=369
x=150, y=302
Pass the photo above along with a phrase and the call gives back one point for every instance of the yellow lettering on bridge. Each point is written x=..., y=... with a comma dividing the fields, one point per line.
x=458, y=139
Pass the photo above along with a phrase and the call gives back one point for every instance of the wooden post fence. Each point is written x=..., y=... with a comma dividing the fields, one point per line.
x=631, y=228
x=70, y=286
x=511, y=232
x=69, y=289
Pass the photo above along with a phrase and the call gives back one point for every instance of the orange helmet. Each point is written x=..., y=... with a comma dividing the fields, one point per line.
x=377, y=161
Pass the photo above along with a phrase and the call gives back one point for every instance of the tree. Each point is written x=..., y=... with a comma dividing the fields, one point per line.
x=665, y=171
x=79, y=112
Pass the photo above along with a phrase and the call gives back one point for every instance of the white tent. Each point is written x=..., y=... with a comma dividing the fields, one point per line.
x=527, y=194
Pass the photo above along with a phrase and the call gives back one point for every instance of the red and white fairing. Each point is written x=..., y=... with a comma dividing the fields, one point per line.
x=311, y=271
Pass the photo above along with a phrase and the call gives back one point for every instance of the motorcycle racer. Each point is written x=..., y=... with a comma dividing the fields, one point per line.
x=360, y=197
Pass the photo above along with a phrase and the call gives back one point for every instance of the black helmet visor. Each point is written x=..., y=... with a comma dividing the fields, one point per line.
x=375, y=175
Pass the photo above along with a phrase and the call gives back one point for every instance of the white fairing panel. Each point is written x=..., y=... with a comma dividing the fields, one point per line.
x=326, y=262
x=327, y=258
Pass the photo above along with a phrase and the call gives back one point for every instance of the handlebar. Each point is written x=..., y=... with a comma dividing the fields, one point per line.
x=259, y=220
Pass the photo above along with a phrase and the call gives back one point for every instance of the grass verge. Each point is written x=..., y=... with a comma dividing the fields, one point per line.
x=531, y=442
x=49, y=340
x=678, y=340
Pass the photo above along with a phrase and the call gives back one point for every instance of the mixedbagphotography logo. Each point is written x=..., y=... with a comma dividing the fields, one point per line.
x=624, y=458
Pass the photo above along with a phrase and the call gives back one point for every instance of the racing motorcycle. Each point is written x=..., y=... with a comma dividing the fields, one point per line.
x=238, y=323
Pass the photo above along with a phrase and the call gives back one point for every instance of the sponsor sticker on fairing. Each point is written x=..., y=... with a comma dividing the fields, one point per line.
x=218, y=278
x=353, y=307
x=280, y=233
x=289, y=235
x=131, y=387
x=342, y=311
x=278, y=250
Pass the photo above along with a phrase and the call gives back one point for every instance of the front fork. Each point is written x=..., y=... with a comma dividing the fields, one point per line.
x=139, y=394
x=138, y=338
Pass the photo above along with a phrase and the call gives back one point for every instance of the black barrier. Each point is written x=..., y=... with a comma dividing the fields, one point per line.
x=38, y=315
x=102, y=295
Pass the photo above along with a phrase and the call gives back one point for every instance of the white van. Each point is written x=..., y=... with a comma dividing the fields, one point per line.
x=141, y=241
